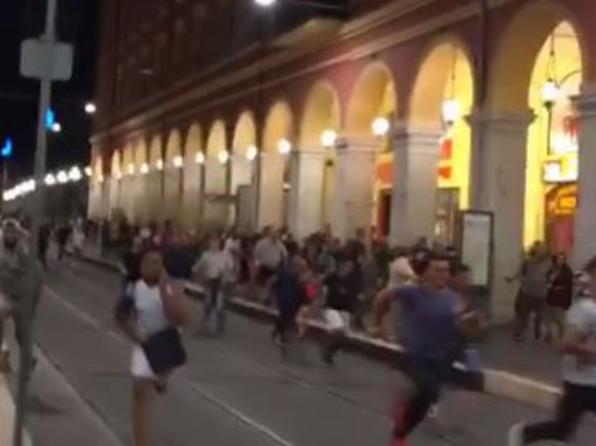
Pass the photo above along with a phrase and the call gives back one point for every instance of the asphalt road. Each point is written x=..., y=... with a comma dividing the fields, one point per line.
x=236, y=390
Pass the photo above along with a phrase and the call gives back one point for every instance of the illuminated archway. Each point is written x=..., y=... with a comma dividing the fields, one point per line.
x=548, y=52
x=314, y=165
x=443, y=96
x=552, y=149
x=172, y=176
x=154, y=180
x=216, y=206
x=95, y=206
x=244, y=147
x=278, y=143
x=140, y=203
x=127, y=182
x=115, y=177
x=371, y=114
x=193, y=168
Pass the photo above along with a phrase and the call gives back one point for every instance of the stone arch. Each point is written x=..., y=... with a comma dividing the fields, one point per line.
x=321, y=112
x=520, y=42
x=442, y=97
x=215, y=210
x=445, y=71
x=244, y=141
x=154, y=180
x=172, y=176
x=139, y=186
x=193, y=171
x=373, y=96
x=549, y=138
x=279, y=125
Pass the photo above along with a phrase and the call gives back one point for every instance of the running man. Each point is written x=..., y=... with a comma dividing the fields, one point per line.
x=579, y=374
x=430, y=334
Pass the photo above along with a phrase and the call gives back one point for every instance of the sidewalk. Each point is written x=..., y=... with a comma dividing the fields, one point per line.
x=527, y=372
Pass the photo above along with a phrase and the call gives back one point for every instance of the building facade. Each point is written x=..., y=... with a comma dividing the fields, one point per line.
x=396, y=116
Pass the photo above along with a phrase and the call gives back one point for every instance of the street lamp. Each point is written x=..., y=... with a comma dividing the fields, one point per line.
x=90, y=108
x=200, y=158
x=223, y=156
x=178, y=162
x=56, y=127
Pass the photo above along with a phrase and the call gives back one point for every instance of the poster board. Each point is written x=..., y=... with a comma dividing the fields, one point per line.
x=477, y=245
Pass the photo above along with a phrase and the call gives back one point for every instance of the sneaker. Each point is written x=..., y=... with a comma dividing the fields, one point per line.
x=516, y=435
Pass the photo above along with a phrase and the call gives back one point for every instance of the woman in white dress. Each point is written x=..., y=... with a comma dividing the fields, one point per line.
x=154, y=308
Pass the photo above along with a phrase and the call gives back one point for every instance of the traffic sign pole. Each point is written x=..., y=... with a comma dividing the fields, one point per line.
x=26, y=348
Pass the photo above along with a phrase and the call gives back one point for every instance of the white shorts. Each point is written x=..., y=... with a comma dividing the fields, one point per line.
x=337, y=320
x=139, y=365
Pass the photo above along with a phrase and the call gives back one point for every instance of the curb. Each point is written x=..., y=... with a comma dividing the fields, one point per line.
x=493, y=382
x=7, y=414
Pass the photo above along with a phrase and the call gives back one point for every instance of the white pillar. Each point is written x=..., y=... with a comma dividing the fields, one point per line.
x=271, y=193
x=356, y=169
x=413, y=207
x=585, y=219
x=306, y=207
x=498, y=176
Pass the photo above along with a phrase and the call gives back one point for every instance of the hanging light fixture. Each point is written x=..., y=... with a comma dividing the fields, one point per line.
x=144, y=169
x=380, y=126
x=159, y=164
x=284, y=147
x=328, y=138
x=178, y=162
x=223, y=156
x=131, y=169
x=200, y=158
x=88, y=171
x=251, y=152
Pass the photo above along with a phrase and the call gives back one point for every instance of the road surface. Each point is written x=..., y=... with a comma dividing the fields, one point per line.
x=235, y=391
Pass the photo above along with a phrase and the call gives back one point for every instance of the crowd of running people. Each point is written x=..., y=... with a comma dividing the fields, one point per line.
x=419, y=295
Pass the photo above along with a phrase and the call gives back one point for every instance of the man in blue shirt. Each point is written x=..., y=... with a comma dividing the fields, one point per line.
x=430, y=337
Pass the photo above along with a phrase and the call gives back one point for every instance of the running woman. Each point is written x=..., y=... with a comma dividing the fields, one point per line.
x=579, y=374
x=430, y=333
x=149, y=313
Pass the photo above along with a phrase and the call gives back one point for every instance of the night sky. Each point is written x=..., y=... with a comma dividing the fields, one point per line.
x=78, y=24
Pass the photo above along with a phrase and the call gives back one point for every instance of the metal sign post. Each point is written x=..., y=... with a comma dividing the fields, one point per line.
x=46, y=60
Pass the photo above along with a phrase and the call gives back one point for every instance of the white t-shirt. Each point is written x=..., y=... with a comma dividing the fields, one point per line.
x=582, y=317
x=270, y=252
x=151, y=317
x=215, y=265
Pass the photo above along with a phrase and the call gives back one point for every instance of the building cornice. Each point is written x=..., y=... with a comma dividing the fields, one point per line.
x=364, y=24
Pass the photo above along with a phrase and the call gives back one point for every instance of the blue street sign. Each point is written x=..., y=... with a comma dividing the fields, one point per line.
x=6, y=151
x=50, y=118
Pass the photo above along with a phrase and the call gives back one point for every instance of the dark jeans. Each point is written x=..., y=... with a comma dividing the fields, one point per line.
x=216, y=304
x=428, y=376
x=285, y=323
x=576, y=401
x=527, y=306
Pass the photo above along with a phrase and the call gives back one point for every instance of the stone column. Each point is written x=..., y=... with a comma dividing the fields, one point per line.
x=271, y=190
x=356, y=169
x=215, y=204
x=498, y=179
x=306, y=207
x=585, y=219
x=413, y=208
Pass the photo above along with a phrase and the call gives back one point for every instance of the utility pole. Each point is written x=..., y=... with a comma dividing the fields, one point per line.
x=26, y=348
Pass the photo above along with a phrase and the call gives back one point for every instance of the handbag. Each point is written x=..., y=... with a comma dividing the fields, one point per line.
x=164, y=351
